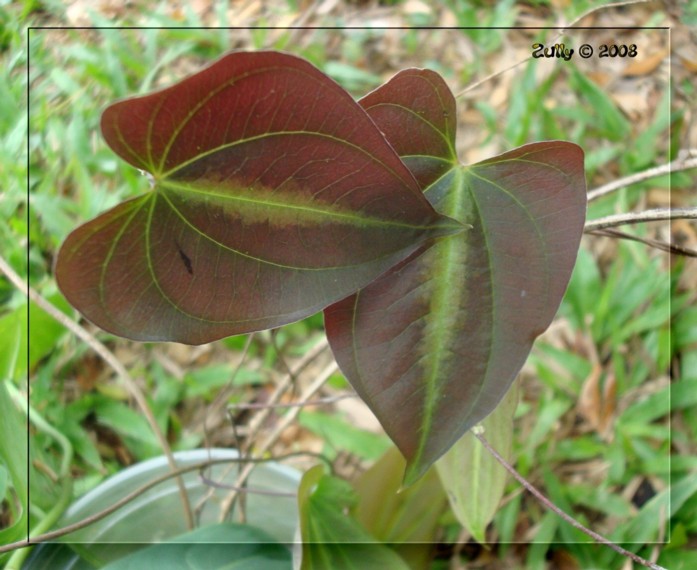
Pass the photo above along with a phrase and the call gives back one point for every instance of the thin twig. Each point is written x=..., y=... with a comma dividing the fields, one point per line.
x=259, y=450
x=222, y=396
x=112, y=361
x=258, y=420
x=214, y=485
x=551, y=506
x=318, y=402
x=684, y=162
x=214, y=408
x=657, y=215
x=256, y=490
x=265, y=410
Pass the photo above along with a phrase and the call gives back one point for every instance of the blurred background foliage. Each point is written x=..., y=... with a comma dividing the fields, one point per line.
x=606, y=423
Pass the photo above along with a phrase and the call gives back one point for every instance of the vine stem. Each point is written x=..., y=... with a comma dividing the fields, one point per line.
x=113, y=362
x=552, y=507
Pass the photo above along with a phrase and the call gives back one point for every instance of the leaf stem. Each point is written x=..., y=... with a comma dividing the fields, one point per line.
x=551, y=506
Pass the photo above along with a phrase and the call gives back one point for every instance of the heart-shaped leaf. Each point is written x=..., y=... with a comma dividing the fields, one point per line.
x=274, y=194
x=434, y=344
x=416, y=112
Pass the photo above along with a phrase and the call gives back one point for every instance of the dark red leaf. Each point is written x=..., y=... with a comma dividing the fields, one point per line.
x=274, y=195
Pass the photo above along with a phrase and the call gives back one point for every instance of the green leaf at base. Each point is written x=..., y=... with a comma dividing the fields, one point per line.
x=407, y=519
x=330, y=538
x=468, y=470
x=216, y=547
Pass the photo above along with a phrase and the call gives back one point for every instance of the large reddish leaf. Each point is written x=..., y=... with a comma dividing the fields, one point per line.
x=434, y=344
x=274, y=194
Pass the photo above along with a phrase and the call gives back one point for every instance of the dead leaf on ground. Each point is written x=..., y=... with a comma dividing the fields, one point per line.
x=597, y=404
x=646, y=65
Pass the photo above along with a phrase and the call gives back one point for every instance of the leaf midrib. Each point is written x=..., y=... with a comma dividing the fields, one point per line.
x=319, y=213
x=444, y=289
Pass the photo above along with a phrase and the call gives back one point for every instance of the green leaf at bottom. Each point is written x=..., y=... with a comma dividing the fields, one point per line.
x=331, y=539
x=216, y=547
x=473, y=480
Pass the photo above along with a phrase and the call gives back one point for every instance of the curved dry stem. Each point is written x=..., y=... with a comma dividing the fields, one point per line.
x=685, y=161
x=113, y=362
x=656, y=215
x=552, y=507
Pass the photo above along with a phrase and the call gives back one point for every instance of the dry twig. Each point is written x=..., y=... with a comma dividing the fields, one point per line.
x=685, y=161
x=112, y=361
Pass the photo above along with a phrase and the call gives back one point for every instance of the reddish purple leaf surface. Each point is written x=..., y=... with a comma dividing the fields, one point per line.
x=434, y=344
x=416, y=113
x=274, y=195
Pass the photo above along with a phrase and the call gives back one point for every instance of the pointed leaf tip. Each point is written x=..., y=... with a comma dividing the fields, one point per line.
x=434, y=344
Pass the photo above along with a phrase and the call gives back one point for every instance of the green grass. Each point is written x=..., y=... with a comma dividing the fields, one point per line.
x=627, y=304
